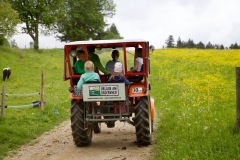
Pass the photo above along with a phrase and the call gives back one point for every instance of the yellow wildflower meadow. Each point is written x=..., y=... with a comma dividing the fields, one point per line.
x=194, y=91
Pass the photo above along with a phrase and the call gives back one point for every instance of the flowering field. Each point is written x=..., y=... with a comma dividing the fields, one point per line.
x=195, y=99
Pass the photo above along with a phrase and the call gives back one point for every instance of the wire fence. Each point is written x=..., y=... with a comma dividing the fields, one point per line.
x=34, y=104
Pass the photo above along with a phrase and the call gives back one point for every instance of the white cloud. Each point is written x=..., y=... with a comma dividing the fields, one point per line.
x=23, y=41
x=155, y=20
x=199, y=20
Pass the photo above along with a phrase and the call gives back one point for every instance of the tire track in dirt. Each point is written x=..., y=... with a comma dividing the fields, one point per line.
x=111, y=144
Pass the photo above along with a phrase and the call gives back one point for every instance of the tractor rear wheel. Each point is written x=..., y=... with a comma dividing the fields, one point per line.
x=81, y=131
x=143, y=122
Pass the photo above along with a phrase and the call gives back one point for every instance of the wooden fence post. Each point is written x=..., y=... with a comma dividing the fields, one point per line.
x=42, y=92
x=3, y=101
x=237, y=97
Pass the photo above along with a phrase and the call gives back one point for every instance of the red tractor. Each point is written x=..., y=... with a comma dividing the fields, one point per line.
x=131, y=104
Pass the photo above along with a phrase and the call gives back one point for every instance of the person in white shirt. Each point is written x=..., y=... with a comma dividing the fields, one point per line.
x=138, y=62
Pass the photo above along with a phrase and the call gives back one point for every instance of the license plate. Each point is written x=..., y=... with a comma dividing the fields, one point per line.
x=137, y=90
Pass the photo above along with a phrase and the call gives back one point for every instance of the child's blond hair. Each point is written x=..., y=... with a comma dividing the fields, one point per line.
x=89, y=66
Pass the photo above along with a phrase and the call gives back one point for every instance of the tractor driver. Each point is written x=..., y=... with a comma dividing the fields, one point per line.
x=95, y=59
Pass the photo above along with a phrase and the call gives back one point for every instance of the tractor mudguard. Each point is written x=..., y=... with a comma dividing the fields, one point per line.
x=137, y=90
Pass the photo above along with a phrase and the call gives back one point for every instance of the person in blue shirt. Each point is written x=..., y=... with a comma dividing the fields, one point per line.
x=117, y=75
x=89, y=75
x=110, y=64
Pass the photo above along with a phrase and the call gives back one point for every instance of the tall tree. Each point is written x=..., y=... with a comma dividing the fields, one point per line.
x=190, y=44
x=8, y=20
x=36, y=13
x=200, y=45
x=216, y=46
x=170, y=42
x=222, y=46
x=179, y=43
x=234, y=46
x=114, y=29
x=111, y=33
x=84, y=19
x=209, y=46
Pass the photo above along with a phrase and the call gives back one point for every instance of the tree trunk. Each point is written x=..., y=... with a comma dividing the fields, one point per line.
x=36, y=43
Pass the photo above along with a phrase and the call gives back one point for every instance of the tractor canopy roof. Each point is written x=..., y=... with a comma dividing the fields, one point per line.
x=115, y=41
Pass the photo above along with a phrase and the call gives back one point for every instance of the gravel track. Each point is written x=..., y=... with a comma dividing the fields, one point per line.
x=111, y=144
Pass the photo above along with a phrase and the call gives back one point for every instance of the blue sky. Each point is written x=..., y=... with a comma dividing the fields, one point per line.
x=216, y=21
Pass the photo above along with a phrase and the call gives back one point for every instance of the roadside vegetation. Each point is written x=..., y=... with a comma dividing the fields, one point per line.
x=20, y=125
x=195, y=99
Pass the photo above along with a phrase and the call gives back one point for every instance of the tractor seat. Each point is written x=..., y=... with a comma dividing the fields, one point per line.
x=137, y=78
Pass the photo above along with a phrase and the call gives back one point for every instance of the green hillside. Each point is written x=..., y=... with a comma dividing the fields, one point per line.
x=24, y=124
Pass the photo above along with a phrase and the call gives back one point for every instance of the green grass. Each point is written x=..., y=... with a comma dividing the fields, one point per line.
x=21, y=125
x=194, y=92
x=195, y=99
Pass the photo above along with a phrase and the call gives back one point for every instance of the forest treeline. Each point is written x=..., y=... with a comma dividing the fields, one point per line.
x=170, y=43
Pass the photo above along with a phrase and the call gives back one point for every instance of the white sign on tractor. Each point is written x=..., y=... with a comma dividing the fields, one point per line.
x=104, y=92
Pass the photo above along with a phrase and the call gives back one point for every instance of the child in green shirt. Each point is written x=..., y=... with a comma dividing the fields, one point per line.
x=79, y=65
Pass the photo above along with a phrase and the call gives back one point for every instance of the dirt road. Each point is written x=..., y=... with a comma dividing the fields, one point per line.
x=111, y=144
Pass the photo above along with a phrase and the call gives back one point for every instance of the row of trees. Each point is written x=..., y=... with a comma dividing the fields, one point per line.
x=8, y=21
x=71, y=20
x=200, y=45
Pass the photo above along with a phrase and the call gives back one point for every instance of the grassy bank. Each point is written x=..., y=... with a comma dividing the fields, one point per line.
x=195, y=98
x=24, y=124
